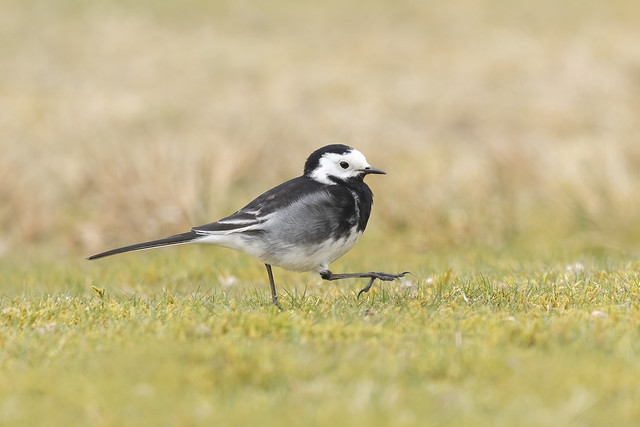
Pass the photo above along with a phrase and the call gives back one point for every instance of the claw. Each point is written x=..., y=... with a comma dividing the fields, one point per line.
x=388, y=277
x=366, y=288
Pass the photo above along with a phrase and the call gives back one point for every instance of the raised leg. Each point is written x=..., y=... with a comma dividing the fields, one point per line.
x=386, y=277
x=274, y=295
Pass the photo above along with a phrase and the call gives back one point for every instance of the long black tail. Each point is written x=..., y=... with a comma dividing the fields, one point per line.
x=167, y=241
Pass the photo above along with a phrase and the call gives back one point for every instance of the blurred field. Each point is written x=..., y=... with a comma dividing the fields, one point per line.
x=510, y=136
x=495, y=121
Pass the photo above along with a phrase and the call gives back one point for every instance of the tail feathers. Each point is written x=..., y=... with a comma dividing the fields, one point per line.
x=167, y=241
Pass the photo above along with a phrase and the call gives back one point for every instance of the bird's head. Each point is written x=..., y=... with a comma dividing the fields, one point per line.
x=337, y=162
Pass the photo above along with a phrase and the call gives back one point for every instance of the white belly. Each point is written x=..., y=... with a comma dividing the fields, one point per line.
x=293, y=257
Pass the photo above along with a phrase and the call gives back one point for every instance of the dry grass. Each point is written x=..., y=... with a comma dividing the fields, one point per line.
x=496, y=121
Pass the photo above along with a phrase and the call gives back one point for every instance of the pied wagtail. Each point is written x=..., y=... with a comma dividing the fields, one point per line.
x=301, y=225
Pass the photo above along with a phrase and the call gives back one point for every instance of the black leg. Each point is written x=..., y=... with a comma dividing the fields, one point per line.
x=274, y=295
x=386, y=277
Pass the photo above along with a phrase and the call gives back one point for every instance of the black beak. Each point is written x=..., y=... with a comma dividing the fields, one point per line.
x=371, y=169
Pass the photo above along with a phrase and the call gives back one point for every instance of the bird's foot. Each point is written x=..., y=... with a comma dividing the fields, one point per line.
x=385, y=277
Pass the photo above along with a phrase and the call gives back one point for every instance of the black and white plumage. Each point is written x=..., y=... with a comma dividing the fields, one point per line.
x=301, y=225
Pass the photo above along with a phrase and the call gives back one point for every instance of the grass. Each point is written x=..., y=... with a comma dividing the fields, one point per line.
x=506, y=345
x=509, y=132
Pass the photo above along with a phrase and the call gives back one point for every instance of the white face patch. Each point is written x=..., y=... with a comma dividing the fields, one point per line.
x=341, y=166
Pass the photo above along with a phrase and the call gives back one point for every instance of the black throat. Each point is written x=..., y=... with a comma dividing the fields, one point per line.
x=362, y=198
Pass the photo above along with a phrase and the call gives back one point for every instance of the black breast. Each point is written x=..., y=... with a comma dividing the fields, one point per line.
x=358, y=200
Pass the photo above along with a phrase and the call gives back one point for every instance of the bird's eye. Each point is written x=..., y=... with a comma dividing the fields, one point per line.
x=344, y=165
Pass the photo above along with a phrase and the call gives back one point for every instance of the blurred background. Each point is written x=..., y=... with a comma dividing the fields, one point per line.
x=502, y=125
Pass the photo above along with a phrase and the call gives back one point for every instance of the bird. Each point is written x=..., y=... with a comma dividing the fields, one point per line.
x=302, y=225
